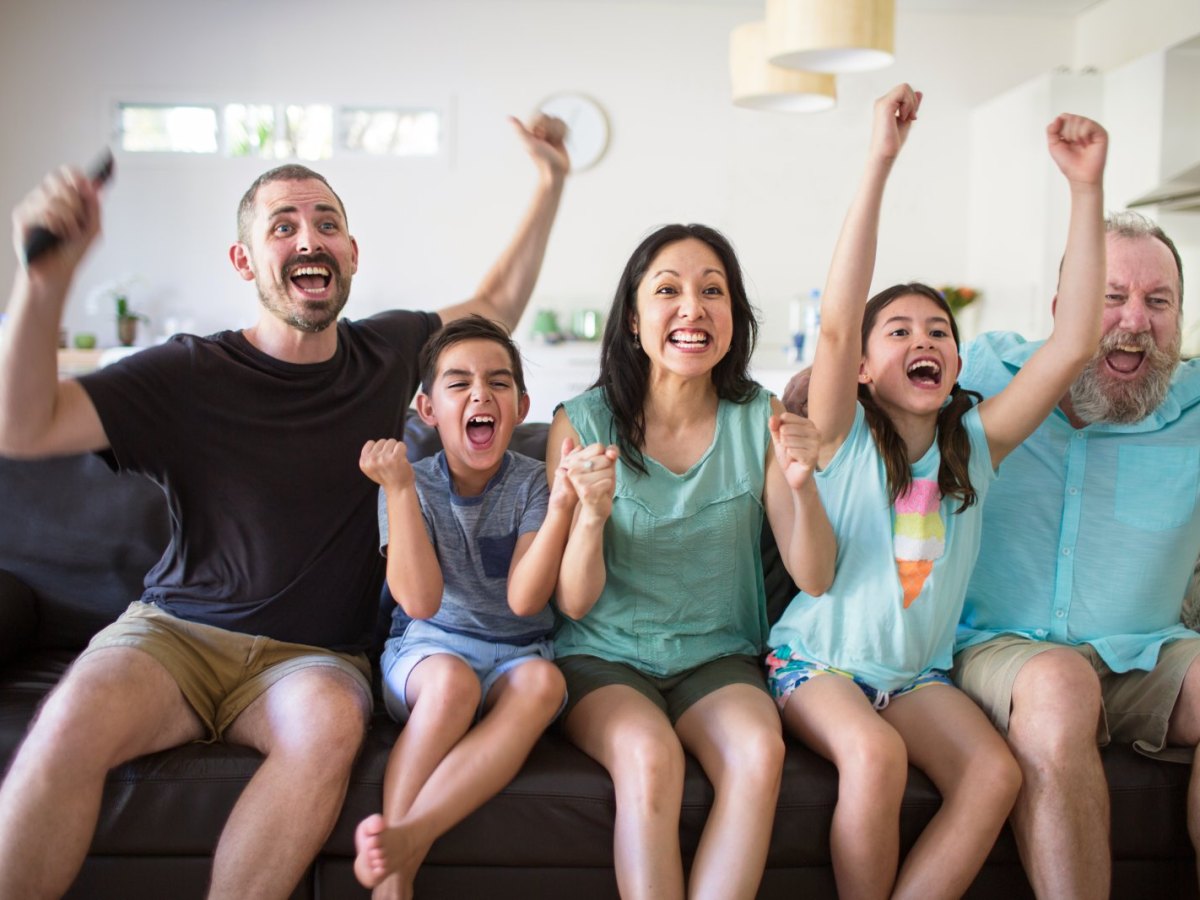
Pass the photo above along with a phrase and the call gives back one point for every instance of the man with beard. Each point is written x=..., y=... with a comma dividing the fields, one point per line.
x=1071, y=633
x=253, y=625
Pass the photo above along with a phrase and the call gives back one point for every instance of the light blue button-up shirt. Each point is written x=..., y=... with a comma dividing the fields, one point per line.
x=1089, y=535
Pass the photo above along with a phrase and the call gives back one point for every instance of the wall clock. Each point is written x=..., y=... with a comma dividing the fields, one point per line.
x=587, y=127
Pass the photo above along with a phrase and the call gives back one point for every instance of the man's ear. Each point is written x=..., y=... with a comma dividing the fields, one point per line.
x=425, y=410
x=239, y=255
x=354, y=257
x=522, y=408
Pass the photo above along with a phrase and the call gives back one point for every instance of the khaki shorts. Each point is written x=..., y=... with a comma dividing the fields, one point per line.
x=673, y=694
x=220, y=672
x=1136, y=707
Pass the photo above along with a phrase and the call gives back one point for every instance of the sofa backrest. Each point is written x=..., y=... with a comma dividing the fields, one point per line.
x=82, y=537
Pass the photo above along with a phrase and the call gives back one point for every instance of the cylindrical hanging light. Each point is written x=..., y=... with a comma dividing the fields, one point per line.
x=831, y=35
x=759, y=85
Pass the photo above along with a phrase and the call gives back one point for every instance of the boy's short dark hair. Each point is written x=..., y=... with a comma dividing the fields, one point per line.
x=468, y=328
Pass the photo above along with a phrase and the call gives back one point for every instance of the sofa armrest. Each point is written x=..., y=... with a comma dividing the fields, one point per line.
x=18, y=615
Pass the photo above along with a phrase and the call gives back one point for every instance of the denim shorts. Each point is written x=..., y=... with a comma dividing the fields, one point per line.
x=489, y=660
x=786, y=671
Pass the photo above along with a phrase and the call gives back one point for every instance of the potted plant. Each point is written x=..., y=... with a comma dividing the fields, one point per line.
x=127, y=321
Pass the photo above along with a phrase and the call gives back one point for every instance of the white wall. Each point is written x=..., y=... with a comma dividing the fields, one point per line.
x=427, y=230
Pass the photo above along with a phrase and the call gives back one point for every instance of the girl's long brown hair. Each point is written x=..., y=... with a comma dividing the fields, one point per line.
x=954, y=478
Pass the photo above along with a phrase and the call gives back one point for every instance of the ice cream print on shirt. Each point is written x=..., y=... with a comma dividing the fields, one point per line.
x=918, y=535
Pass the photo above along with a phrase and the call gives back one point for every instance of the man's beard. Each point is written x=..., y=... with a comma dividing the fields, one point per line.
x=1097, y=397
x=311, y=317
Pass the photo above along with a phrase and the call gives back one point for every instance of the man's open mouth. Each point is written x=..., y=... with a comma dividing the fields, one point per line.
x=312, y=279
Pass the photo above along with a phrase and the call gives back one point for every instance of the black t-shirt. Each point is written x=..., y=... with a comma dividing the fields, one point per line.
x=273, y=526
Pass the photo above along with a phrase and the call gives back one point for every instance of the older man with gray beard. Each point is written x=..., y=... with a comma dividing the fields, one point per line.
x=1071, y=633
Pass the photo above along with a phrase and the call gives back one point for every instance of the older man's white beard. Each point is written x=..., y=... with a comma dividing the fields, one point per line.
x=1097, y=398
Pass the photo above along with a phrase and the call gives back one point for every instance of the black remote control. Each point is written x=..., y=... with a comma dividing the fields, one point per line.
x=41, y=240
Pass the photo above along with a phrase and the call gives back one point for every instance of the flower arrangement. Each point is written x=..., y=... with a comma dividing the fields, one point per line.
x=958, y=296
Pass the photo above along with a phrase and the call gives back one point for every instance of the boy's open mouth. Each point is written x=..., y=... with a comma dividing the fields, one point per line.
x=925, y=373
x=480, y=430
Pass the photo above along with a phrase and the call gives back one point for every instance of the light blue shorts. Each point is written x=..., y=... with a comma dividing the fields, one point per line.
x=786, y=671
x=488, y=660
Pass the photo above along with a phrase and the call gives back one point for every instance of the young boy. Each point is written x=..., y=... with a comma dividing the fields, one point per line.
x=473, y=538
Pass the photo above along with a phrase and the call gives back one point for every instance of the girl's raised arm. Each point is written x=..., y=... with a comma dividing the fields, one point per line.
x=1079, y=147
x=839, y=351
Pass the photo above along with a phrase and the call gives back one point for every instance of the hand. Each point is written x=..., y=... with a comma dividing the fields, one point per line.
x=543, y=140
x=386, y=463
x=66, y=203
x=562, y=491
x=592, y=471
x=1078, y=147
x=797, y=442
x=795, y=394
x=895, y=112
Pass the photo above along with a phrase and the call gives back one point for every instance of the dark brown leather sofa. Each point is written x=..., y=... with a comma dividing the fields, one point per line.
x=75, y=541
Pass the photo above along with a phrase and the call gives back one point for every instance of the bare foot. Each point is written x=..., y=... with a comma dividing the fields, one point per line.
x=370, y=863
x=384, y=852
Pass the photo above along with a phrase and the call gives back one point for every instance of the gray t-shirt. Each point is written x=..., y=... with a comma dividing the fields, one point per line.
x=474, y=539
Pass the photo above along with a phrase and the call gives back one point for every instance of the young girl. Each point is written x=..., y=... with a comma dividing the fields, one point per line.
x=906, y=458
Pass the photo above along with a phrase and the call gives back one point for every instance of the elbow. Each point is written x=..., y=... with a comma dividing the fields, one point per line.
x=419, y=605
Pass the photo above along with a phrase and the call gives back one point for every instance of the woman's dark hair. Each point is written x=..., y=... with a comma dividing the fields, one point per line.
x=954, y=478
x=625, y=368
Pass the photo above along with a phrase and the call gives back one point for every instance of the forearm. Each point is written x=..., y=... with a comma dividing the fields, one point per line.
x=582, y=575
x=1081, y=285
x=507, y=286
x=853, y=263
x=29, y=363
x=414, y=575
x=811, y=551
x=533, y=577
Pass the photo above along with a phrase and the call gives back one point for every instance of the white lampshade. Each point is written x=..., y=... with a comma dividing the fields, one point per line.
x=831, y=35
x=759, y=85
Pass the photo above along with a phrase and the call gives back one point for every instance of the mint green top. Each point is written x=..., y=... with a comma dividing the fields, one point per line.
x=684, y=582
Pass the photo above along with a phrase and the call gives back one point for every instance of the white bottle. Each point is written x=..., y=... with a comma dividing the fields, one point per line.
x=812, y=326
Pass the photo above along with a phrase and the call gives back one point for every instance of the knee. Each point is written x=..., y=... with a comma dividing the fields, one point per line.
x=541, y=682
x=330, y=731
x=994, y=779
x=877, y=763
x=1056, y=706
x=450, y=688
x=756, y=759
x=650, y=770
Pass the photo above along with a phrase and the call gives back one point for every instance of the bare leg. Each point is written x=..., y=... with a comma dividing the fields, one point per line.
x=111, y=706
x=831, y=715
x=1062, y=814
x=949, y=738
x=519, y=707
x=443, y=695
x=1184, y=731
x=735, y=734
x=309, y=726
x=632, y=738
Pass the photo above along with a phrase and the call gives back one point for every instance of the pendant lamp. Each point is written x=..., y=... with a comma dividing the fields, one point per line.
x=831, y=35
x=759, y=85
